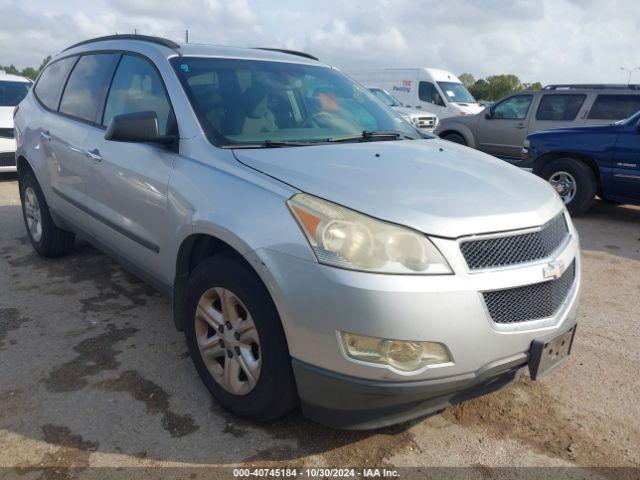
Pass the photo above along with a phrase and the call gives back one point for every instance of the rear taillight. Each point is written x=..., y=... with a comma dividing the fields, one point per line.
x=15, y=110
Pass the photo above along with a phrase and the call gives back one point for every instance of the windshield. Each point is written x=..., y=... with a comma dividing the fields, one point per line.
x=246, y=102
x=386, y=97
x=456, y=92
x=632, y=120
x=12, y=93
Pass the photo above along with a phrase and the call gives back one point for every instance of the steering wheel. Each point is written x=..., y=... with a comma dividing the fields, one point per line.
x=317, y=120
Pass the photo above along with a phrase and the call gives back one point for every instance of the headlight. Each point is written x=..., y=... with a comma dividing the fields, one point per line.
x=407, y=356
x=343, y=238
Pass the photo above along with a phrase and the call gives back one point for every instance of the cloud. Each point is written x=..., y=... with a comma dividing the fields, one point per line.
x=546, y=40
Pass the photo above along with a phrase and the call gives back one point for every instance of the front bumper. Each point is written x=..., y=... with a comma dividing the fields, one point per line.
x=341, y=401
x=316, y=302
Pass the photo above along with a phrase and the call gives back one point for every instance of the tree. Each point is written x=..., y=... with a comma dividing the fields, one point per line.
x=467, y=80
x=532, y=86
x=28, y=72
x=46, y=60
x=495, y=87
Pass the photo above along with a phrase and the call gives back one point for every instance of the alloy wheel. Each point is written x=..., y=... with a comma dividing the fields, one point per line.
x=565, y=185
x=33, y=213
x=228, y=340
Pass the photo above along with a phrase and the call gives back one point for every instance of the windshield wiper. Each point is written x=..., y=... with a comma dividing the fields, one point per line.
x=372, y=135
x=273, y=144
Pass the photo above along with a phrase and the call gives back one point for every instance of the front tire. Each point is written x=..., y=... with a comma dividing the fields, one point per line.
x=47, y=239
x=236, y=340
x=574, y=181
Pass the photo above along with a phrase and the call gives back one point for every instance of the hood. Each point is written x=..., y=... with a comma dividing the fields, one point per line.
x=6, y=117
x=584, y=129
x=469, y=108
x=433, y=186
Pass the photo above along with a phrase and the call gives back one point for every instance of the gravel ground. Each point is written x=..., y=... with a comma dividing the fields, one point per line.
x=93, y=374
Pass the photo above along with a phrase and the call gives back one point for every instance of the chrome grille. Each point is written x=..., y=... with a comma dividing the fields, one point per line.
x=426, y=122
x=531, y=302
x=515, y=249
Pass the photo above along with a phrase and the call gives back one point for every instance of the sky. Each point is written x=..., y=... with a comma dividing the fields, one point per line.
x=552, y=41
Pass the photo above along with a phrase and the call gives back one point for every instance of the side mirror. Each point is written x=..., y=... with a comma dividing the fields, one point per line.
x=138, y=127
x=488, y=114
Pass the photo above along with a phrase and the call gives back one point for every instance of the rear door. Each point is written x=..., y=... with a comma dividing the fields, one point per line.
x=502, y=130
x=559, y=110
x=128, y=182
x=64, y=133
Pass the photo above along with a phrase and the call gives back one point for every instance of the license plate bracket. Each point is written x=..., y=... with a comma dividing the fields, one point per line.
x=546, y=354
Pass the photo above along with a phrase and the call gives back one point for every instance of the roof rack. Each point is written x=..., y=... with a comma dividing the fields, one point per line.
x=289, y=52
x=593, y=86
x=144, y=38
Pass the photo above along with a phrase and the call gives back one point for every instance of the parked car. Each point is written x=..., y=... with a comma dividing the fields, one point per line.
x=430, y=89
x=13, y=88
x=583, y=162
x=501, y=129
x=316, y=251
x=423, y=120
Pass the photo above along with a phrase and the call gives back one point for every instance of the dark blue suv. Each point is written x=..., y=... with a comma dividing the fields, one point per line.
x=583, y=162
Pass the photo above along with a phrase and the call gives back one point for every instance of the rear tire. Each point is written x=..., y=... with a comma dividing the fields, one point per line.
x=47, y=239
x=455, y=138
x=273, y=393
x=567, y=173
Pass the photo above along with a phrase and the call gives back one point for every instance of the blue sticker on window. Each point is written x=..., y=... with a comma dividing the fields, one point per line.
x=184, y=67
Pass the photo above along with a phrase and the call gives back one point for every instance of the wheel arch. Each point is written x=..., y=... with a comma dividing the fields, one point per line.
x=459, y=130
x=543, y=160
x=194, y=249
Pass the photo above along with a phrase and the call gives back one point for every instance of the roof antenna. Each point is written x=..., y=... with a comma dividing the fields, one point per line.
x=135, y=31
x=186, y=36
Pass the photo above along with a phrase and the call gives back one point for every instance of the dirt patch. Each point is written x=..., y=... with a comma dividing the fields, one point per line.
x=65, y=462
x=95, y=355
x=301, y=439
x=85, y=264
x=526, y=412
x=10, y=319
x=155, y=399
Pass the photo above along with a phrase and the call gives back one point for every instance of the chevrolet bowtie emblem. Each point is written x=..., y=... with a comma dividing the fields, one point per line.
x=554, y=269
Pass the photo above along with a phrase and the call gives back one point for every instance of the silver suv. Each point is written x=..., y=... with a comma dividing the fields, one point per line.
x=315, y=251
x=501, y=129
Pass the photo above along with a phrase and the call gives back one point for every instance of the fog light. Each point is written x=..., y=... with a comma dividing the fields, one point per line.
x=407, y=356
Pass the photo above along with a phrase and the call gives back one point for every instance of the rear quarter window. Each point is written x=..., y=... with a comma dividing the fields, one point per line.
x=51, y=82
x=614, y=107
x=87, y=86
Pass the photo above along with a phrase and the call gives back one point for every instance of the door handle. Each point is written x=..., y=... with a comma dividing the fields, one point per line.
x=519, y=126
x=94, y=155
x=45, y=136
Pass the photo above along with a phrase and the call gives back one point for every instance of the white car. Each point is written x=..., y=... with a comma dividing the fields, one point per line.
x=13, y=89
x=426, y=121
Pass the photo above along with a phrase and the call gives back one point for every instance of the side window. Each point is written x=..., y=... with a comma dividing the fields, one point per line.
x=87, y=86
x=559, y=107
x=614, y=107
x=427, y=92
x=513, y=108
x=51, y=82
x=136, y=87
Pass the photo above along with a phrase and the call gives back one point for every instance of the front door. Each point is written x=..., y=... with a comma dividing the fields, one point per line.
x=128, y=183
x=502, y=130
x=626, y=164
